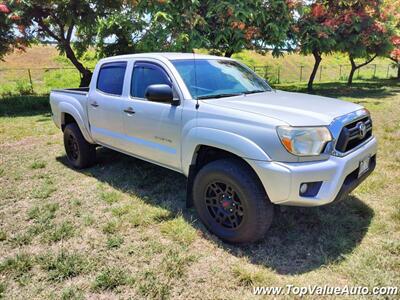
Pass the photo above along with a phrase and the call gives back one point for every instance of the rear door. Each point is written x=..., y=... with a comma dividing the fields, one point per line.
x=105, y=105
x=153, y=129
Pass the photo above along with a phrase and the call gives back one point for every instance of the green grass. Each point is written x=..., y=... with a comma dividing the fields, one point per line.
x=179, y=230
x=2, y=290
x=3, y=235
x=60, y=232
x=110, y=278
x=43, y=213
x=72, y=293
x=38, y=165
x=23, y=105
x=63, y=266
x=17, y=266
x=121, y=230
x=114, y=242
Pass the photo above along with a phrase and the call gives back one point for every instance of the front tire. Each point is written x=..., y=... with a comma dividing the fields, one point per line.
x=80, y=153
x=231, y=202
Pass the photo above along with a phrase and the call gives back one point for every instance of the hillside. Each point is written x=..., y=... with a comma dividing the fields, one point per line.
x=41, y=60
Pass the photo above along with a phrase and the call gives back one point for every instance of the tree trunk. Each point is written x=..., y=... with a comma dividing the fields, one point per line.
x=398, y=71
x=354, y=67
x=85, y=73
x=317, y=58
x=229, y=53
x=352, y=71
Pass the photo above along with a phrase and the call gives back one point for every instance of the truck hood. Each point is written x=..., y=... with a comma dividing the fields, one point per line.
x=295, y=109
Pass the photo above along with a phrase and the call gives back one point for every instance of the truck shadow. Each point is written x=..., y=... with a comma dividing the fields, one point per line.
x=299, y=240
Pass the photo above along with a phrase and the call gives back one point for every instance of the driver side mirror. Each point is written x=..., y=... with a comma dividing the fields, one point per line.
x=161, y=93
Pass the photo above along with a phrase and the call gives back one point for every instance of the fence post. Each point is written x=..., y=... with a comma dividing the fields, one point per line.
x=266, y=72
x=320, y=73
x=388, y=70
x=340, y=72
x=301, y=73
x=279, y=74
x=30, y=79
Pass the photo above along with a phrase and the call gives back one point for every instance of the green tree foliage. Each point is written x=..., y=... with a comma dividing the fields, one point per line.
x=223, y=27
x=147, y=26
x=231, y=26
x=59, y=21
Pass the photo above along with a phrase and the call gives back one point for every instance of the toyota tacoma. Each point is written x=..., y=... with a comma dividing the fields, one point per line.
x=243, y=146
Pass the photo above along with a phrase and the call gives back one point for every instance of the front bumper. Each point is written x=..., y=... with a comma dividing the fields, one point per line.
x=339, y=176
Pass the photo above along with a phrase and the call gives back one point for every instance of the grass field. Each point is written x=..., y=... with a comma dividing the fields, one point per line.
x=120, y=229
x=286, y=69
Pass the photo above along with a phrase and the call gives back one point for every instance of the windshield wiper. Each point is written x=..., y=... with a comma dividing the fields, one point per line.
x=253, y=92
x=215, y=96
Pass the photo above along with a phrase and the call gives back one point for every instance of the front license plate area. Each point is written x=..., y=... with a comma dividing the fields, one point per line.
x=363, y=166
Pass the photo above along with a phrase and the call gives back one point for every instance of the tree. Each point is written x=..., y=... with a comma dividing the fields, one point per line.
x=362, y=32
x=395, y=54
x=231, y=26
x=392, y=13
x=60, y=21
x=315, y=34
x=147, y=26
x=224, y=27
x=120, y=33
x=8, y=38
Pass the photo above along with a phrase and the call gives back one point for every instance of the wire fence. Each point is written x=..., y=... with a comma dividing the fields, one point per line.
x=331, y=73
x=41, y=80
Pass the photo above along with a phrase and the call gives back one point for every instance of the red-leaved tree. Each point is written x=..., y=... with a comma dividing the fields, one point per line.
x=315, y=32
x=363, y=31
x=9, y=38
x=392, y=9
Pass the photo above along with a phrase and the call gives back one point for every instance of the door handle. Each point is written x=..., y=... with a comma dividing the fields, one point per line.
x=94, y=104
x=129, y=110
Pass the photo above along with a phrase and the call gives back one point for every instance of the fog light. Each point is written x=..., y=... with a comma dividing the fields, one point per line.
x=303, y=188
x=310, y=189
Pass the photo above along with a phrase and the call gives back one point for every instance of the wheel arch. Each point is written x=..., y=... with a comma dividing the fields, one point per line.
x=237, y=145
x=206, y=154
x=69, y=114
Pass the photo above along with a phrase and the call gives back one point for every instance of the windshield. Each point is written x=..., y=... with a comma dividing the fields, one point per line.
x=216, y=78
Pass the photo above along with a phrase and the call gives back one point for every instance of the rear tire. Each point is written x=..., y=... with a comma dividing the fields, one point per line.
x=231, y=202
x=80, y=153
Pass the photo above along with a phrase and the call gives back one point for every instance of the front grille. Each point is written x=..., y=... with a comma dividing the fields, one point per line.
x=351, y=135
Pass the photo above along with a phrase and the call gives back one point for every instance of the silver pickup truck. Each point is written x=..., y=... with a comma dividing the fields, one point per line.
x=243, y=146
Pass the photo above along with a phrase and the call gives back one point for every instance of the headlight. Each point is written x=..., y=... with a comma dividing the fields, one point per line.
x=304, y=141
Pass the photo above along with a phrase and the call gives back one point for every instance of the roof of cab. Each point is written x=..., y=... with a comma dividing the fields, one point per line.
x=165, y=55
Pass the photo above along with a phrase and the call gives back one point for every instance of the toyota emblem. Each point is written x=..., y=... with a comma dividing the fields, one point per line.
x=362, y=130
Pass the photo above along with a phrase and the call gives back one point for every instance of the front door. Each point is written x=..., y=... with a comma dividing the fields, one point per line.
x=153, y=129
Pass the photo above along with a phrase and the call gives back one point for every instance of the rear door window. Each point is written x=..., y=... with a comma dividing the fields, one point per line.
x=111, y=78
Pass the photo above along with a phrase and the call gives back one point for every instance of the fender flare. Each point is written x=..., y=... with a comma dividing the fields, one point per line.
x=68, y=108
x=202, y=136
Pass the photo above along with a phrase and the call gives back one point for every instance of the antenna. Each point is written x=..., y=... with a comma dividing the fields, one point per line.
x=195, y=78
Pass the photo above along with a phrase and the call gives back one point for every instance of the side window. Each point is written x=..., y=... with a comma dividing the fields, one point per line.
x=145, y=74
x=111, y=78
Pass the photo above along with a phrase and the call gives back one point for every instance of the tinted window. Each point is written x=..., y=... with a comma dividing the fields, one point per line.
x=111, y=78
x=144, y=75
